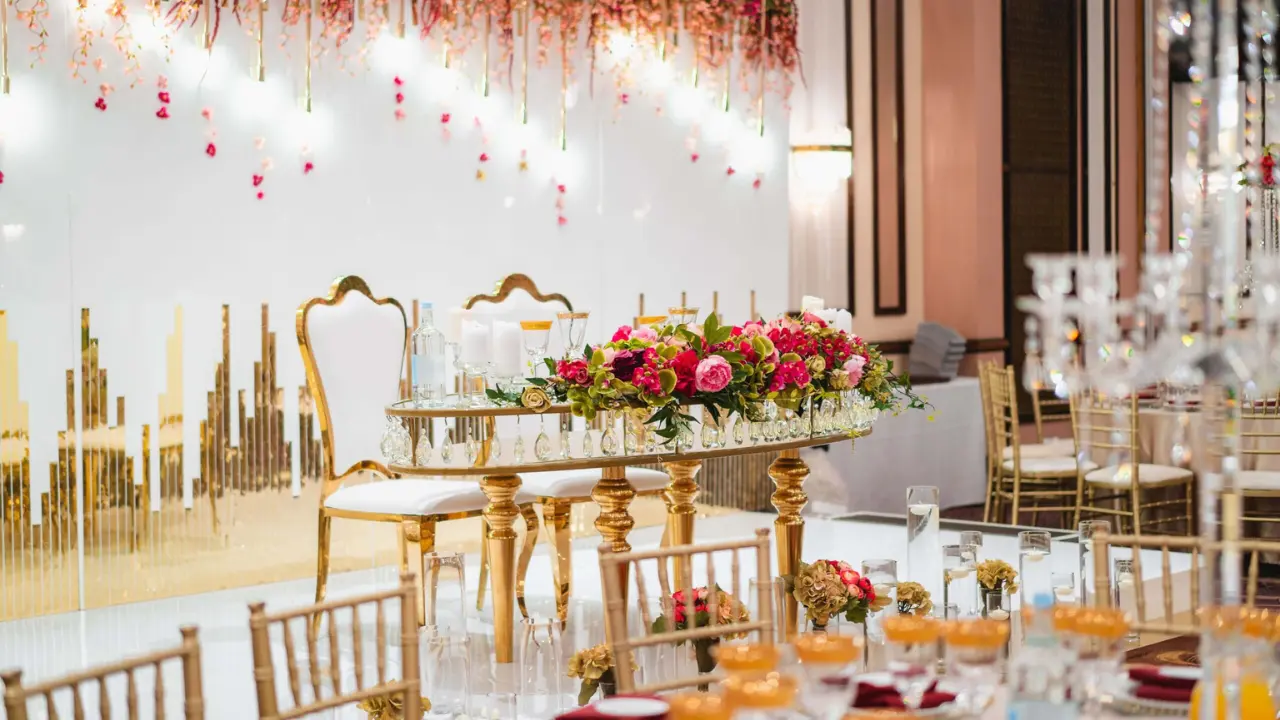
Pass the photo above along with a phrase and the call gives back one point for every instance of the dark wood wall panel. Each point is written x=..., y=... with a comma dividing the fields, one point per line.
x=1041, y=84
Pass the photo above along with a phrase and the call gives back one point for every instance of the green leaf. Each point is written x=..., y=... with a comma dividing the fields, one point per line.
x=540, y=382
x=586, y=351
x=551, y=365
x=588, y=689
x=667, y=377
x=733, y=357
x=660, y=625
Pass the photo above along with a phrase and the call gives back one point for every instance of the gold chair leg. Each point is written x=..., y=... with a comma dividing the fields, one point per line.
x=789, y=473
x=1017, y=498
x=526, y=554
x=1135, y=506
x=613, y=493
x=322, y=563
x=501, y=514
x=555, y=519
x=482, y=585
x=426, y=544
x=991, y=489
x=682, y=491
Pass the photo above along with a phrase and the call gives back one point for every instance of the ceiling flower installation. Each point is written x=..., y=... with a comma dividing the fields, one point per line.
x=687, y=57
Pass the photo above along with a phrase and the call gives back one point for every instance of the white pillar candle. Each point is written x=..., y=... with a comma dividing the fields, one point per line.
x=508, y=357
x=477, y=344
x=844, y=321
x=453, y=328
x=812, y=304
x=828, y=316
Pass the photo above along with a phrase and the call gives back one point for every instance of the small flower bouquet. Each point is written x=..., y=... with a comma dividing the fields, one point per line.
x=826, y=588
x=1266, y=169
x=390, y=707
x=998, y=576
x=729, y=611
x=913, y=599
x=594, y=666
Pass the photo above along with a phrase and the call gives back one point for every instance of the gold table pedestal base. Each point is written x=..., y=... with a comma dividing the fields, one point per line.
x=789, y=473
x=500, y=515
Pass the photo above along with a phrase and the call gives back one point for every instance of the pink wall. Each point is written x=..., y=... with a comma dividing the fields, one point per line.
x=962, y=156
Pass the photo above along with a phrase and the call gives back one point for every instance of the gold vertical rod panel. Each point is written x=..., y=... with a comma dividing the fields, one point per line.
x=484, y=77
x=400, y=22
x=4, y=47
x=206, y=39
x=306, y=91
x=789, y=473
x=524, y=65
x=261, y=71
x=753, y=305
x=681, y=493
x=764, y=51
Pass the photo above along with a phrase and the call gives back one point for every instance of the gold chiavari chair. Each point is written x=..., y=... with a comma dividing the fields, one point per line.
x=1105, y=425
x=1047, y=405
x=615, y=569
x=306, y=703
x=16, y=695
x=359, y=342
x=1179, y=598
x=1023, y=478
x=1260, y=440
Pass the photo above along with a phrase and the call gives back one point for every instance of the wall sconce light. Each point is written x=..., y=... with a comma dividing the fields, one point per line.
x=820, y=168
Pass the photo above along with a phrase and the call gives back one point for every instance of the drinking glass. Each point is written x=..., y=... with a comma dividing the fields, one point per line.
x=975, y=660
x=683, y=315
x=924, y=544
x=961, y=579
x=447, y=662
x=1033, y=564
x=501, y=706
x=1088, y=528
x=573, y=331
x=537, y=336
x=827, y=666
x=778, y=594
x=1126, y=584
x=444, y=591
x=883, y=576
x=1064, y=588
x=541, y=668
x=913, y=655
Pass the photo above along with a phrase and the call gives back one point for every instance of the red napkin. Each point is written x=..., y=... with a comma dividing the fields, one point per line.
x=879, y=696
x=1154, y=685
x=589, y=712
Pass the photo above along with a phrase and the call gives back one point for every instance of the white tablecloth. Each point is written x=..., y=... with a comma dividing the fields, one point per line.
x=907, y=449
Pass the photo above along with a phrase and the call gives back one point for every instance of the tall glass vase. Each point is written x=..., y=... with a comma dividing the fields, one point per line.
x=1034, y=569
x=924, y=539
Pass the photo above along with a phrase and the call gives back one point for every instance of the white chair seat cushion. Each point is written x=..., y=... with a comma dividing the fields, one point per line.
x=1259, y=479
x=1118, y=475
x=578, y=483
x=1057, y=447
x=1056, y=466
x=414, y=496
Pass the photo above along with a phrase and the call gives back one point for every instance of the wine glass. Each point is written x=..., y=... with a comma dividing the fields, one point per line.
x=827, y=665
x=537, y=336
x=573, y=331
x=913, y=656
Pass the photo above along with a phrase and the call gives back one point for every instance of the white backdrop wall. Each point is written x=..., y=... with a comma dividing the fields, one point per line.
x=123, y=213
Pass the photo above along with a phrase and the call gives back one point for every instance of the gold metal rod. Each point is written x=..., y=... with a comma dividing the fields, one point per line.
x=206, y=40
x=764, y=52
x=306, y=90
x=641, y=313
x=484, y=78
x=564, y=93
x=728, y=76
x=4, y=47
x=821, y=148
x=400, y=22
x=444, y=54
x=262, y=65
x=524, y=67
x=753, y=304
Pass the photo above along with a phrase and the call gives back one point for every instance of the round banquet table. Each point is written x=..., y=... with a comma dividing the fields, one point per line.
x=499, y=477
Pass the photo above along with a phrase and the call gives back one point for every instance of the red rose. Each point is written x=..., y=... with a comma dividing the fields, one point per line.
x=574, y=371
x=622, y=333
x=1268, y=161
x=685, y=366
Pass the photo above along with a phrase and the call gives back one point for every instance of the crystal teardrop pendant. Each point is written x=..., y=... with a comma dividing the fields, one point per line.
x=564, y=445
x=422, y=455
x=608, y=442
x=472, y=449
x=588, y=448
x=388, y=445
x=495, y=450
x=708, y=435
x=518, y=449
x=446, y=450
x=542, y=447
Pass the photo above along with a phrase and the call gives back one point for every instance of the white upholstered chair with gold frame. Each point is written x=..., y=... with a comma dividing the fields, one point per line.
x=557, y=491
x=353, y=347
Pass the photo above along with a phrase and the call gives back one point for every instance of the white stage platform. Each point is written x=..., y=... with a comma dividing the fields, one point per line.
x=54, y=645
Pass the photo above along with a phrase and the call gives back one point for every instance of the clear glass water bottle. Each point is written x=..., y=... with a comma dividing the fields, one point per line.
x=428, y=360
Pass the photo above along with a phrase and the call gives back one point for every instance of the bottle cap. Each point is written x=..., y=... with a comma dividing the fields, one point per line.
x=424, y=304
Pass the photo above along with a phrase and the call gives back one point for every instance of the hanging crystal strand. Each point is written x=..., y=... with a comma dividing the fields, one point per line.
x=446, y=447
x=608, y=440
x=588, y=447
x=422, y=454
x=542, y=444
x=495, y=442
x=472, y=446
x=566, y=428
x=518, y=447
x=708, y=430
x=631, y=427
x=739, y=430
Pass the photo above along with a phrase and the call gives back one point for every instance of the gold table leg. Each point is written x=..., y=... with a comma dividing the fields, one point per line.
x=680, y=495
x=788, y=473
x=613, y=493
x=501, y=514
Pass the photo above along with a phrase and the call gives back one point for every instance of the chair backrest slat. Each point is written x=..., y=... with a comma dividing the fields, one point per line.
x=408, y=686
x=16, y=695
x=616, y=569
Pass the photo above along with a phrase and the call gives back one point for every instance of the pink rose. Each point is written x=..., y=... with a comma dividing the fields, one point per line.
x=753, y=329
x=713, y=374
x=849, y=577
x=854, y=366
x=609, y=354
x=622, y=333
x=644, y=333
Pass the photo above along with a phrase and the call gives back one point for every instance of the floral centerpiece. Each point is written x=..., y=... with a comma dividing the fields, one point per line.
x=996, y=576
x=913, y=599
x=828, y=588
x=729, y=611
x=594, y=666
x=390, y=707
x=724, y=368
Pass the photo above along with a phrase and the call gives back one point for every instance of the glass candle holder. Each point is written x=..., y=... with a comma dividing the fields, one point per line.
x=447, y=662
x=827, y=666
x=924, y=544
x=960, y=580
x=997, y=605
x=971, y=541
x=541, y=668
x=573, y=331
x=765, y=698
x=536, y=338
x=883, y=576
x=1064, y=588
x=1126, y=586
x=754, y=659
x=1089, y=528
x=445, y=591
x=975, y=659
x=698, y=706
x=912, y=649
x=1100, y=641
x=1033, y=563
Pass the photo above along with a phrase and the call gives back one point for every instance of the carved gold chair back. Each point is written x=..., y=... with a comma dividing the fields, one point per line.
x=1026, y=483
x=617, y=568
x=1174, y=611
x=312, y=697
x=17, y=696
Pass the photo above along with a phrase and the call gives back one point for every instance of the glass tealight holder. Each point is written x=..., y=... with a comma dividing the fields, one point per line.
x=1064, y=588
x=1089, y=528
x=536, y=337
x=912, y=645
x=883, y=576
x=1033, y=563
x=1126, y=587
x=960, y=581
x=573, y=331
x=827, y=666
x=683, y=315
x=975, y=660
x=770, y=697
x=746, y=659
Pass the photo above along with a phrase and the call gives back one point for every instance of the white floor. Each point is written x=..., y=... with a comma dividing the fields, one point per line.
x=49, y=646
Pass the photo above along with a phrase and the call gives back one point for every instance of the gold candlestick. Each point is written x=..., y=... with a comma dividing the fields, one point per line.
x=753, y=304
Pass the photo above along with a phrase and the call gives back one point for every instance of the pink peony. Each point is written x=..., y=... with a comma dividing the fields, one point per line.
x=713, y=374
x=622, y=333
x=644, y=333
x=854, y=366
x=609, y=355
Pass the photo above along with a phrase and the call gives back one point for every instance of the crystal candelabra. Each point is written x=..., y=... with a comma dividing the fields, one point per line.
x=1183, y=326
